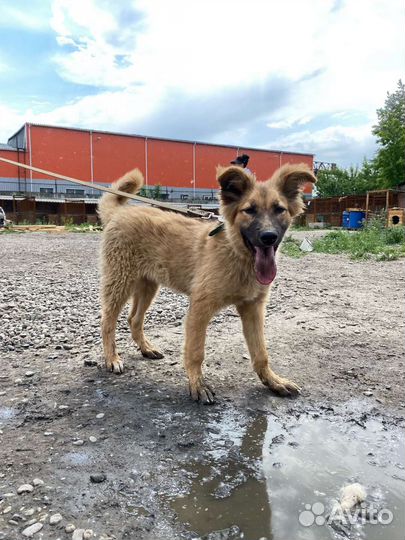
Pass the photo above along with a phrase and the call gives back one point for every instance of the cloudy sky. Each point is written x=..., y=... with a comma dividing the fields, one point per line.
x=302, y=75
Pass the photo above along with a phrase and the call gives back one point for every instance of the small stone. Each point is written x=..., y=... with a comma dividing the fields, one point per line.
x=98, y=478
x=78, y=534
x=88, y=533
x=48, y=433
x=62, y=407
x=185, y=443
x=29, y=374
x=7, y=509
x=89, y=362
x=368, y=393
x=70, y=527
x=92, y=439
x=38, y=482
x=32, y=529
x=25, y=488
x=55, y=519
x=17, y=517
x=79, y=442
x=29, y=512
x=100, y=415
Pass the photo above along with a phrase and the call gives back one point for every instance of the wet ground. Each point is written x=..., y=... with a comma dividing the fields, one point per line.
x=132, y=457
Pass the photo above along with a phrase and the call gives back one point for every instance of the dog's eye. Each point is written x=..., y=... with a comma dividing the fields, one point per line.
x=279, y=209
x=251, y=210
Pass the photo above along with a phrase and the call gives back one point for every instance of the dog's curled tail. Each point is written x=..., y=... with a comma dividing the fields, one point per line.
x=131, y=182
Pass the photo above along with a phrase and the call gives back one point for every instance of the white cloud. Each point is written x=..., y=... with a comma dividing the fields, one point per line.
x=11, y=16
x=336, y=142
x=339, y=59
x=290, y=122
x=11, y=120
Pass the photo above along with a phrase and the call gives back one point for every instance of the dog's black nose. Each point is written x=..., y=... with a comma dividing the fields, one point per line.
x=268, y=238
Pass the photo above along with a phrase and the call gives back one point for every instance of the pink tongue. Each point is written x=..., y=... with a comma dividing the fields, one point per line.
x=265, y=265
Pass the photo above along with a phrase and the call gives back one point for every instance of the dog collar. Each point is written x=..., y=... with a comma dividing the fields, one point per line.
x=217, y=229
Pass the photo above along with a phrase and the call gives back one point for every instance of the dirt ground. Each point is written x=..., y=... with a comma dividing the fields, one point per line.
x=108, y=452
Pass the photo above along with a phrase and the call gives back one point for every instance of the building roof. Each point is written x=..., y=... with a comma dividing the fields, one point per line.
x=4, y=146
x=160, y=139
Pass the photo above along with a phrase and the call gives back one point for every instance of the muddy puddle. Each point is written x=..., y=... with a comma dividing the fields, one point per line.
x=266, y=477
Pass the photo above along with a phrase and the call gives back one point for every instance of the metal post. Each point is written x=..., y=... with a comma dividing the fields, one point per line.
x=194, y=167
x=146, y=160
x=30, y=151
x=91, y=161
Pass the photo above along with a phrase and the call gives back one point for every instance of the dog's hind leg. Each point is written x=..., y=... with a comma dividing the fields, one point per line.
x=143, y=295
x=114, y=294
x=252, y=315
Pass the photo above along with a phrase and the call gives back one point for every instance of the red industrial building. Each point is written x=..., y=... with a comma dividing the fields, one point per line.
x=184, y=169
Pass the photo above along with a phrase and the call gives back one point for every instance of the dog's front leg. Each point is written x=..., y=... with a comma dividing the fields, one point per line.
x=252, y=315
x=199, y=315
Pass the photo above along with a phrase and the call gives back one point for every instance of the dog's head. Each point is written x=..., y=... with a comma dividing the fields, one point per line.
x=259, y=213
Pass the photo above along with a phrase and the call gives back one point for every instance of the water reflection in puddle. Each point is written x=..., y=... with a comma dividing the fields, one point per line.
x=220, y=501
x=261, y=476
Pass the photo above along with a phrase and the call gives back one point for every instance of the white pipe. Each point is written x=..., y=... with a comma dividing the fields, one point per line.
x=146, y=160
x=91, y=159
x=30, y=151
x=194, y=167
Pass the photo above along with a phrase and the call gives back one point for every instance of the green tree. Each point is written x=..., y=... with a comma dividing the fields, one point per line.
x=352, y=181
x=390, y=132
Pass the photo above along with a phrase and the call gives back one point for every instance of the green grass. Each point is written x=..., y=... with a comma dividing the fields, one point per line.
x=6, y=230
x=83, y=227
x=374, y=241
x=291, y=248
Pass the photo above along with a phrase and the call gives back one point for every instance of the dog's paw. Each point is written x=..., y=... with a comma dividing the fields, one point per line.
x=152, y=353
x=116, y=365
x=201, y=391
x=281, y=386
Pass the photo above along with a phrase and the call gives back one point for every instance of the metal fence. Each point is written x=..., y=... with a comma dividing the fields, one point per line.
x=66, y=190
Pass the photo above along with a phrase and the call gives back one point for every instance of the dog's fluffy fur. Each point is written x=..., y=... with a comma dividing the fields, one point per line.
x=144, y=248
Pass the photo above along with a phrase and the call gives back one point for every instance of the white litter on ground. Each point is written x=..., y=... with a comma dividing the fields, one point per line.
x=306, y=245
x=351, y=495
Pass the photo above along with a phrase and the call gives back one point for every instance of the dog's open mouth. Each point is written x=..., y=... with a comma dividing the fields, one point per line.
x=265, y=261
x=265, y=264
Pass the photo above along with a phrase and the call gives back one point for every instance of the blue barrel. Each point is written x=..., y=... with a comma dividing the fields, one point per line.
x=345, y=220
x=356, y=219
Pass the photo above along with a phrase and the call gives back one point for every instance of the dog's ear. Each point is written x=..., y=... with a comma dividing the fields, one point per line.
x=290, y=180
x=234, y=183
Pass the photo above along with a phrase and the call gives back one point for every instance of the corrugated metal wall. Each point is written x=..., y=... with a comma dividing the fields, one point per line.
x=103, y=157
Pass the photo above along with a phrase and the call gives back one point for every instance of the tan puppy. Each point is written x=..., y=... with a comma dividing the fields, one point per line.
x=146, y=247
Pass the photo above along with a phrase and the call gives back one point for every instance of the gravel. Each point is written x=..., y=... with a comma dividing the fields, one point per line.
x=32, y=529
x=329, y=327
x=25, y=488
